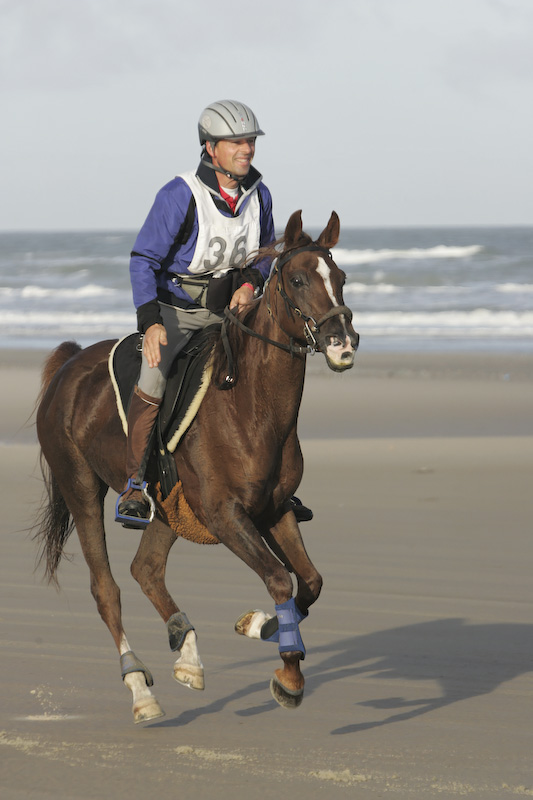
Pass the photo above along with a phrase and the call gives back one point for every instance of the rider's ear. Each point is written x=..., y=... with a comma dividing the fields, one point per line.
x=293, y=231
x=330, y=235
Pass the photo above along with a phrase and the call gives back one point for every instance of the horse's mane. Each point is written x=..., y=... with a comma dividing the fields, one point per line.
x=276, y=248
x=235, y=336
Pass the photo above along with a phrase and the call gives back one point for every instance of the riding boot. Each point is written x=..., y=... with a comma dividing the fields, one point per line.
x=141, y=417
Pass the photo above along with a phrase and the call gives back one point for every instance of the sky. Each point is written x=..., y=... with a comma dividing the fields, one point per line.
x=391, y=112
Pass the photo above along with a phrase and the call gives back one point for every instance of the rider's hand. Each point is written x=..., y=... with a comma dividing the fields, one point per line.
x=242, y=297
x=154, y=337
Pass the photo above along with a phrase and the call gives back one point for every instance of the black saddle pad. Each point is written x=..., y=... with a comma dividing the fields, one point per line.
x=187, y=382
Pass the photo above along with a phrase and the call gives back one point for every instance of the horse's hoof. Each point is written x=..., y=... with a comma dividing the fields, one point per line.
x=147, y=708
x=250, y=623
x=288, y=698
x=190, y=676
x=243, y=623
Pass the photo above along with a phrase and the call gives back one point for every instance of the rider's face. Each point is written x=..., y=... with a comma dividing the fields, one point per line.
x=233, y=156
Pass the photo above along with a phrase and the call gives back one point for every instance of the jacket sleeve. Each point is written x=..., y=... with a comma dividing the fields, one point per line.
x=153, y=243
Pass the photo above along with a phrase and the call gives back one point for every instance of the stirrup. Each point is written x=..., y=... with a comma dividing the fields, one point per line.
x=137, y=523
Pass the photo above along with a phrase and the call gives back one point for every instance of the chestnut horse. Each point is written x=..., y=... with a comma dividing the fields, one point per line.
x=239, y=462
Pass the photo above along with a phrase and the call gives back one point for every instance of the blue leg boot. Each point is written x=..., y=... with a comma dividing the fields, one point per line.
x=286, y=624
x=270, y=629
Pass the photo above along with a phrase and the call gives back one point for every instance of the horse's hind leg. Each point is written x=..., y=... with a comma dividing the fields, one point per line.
x=148, y=569
x=84, y=494
x=106, y=593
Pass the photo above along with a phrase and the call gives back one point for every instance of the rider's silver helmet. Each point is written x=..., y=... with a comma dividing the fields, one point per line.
x=227, y=119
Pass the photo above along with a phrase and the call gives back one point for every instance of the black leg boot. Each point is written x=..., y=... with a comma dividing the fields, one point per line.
x=301, y=512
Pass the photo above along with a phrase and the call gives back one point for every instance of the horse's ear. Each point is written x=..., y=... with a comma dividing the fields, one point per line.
x=330, y=235
x=293, y=231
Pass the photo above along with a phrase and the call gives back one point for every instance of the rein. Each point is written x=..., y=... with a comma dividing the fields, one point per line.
x=291, y=348
x=311, y=326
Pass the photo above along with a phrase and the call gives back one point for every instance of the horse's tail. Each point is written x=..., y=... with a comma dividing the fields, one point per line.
x=54, y=523
x=54, y=362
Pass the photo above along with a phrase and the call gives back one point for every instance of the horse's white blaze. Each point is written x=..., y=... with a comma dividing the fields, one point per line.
x=325, y=273
x=336, y=350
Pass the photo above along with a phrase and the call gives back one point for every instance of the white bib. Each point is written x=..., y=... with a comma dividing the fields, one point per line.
x=223, y=242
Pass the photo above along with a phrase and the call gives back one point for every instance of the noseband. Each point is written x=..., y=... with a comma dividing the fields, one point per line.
x=311, y=326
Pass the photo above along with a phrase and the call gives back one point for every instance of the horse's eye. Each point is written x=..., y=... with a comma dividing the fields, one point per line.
x=296, y=281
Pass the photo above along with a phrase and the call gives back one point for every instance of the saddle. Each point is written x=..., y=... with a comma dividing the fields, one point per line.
x=187, y=384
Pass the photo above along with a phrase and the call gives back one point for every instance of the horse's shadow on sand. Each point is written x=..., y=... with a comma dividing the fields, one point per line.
x=464, y=660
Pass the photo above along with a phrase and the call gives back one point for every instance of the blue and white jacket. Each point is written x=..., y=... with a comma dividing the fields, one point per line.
x=159, y=253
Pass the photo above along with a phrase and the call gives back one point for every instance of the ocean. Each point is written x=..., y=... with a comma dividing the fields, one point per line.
x=411, y=289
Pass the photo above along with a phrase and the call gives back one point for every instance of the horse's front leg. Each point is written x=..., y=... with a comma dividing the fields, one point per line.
x=148, y=569
x=285, y=541
x=239, y=534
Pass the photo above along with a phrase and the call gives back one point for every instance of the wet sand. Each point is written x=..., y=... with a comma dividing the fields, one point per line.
x=419, y=667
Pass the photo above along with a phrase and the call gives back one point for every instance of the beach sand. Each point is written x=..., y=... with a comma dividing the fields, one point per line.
x=419, y=667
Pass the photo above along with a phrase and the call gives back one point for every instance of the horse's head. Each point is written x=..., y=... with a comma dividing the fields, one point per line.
x=308, y=299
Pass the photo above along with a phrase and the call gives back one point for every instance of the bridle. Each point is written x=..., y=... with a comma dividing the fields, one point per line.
x=311, y=326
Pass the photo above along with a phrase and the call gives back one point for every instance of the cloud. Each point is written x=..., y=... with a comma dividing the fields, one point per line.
x=65, y=44
x=61, y=44
x=490, y=52
x=370, y=106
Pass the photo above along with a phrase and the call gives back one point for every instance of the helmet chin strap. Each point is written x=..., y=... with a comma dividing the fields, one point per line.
x=207, y=160
x=238, y=178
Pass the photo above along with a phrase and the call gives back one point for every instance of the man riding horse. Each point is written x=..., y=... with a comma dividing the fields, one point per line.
x=188, y=263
